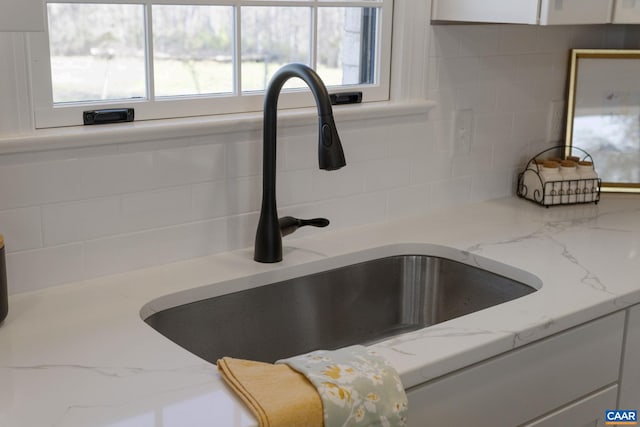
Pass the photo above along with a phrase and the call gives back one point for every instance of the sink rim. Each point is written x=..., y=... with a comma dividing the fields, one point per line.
x=280, y=273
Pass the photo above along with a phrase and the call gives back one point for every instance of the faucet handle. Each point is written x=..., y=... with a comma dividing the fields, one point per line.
x=289, y=224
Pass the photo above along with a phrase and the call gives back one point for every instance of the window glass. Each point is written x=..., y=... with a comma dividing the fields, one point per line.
x=192, y=50
x=346, y=45
x=97, y=52
x=182, y=58
x=271, y=38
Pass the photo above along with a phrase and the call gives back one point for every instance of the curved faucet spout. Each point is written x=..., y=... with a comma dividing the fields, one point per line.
x=268, y=244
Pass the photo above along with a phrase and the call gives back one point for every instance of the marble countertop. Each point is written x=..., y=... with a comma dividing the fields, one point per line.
x=80, y=355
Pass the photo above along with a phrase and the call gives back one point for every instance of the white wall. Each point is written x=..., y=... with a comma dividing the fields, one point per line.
x=72, y=214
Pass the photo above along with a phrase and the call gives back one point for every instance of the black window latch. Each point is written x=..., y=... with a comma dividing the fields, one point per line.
x=110, y=115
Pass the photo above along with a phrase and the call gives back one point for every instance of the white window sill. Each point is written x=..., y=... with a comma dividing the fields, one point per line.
x=85, y=136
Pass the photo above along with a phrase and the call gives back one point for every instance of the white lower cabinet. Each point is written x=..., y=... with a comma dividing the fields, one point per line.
x=525, y=384
x=630, y=378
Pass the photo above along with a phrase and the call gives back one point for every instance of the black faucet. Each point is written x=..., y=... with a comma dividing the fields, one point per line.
x=268, y=246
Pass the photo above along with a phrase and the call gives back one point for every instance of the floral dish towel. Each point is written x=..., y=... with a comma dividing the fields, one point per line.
x=357, y=387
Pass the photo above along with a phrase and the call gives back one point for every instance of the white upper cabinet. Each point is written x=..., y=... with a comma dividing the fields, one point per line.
x=626, y=12
x=542, y=12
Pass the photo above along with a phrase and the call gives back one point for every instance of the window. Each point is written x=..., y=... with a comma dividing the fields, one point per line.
x=179, y=58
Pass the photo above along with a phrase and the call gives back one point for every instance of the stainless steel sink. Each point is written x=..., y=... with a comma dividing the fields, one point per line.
x=355, y=304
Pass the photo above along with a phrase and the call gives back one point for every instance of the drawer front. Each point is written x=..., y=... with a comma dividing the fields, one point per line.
x=585, y=412
x=526, y=383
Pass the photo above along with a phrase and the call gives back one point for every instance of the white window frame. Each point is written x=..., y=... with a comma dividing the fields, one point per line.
x=48, y=115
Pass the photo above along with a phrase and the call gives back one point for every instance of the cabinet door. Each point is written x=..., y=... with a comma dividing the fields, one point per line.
x=526, y=383
x=626, y=12
x=544, y=12
x=558, y=12
x=630, y=383
x=503, y=11
x=585, y=412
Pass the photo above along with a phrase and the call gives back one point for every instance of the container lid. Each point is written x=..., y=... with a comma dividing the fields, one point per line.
x=568, y=164
x=554, y=159
x=585, y=163
x=550, y=164
x=574, y=158
x=1, y=241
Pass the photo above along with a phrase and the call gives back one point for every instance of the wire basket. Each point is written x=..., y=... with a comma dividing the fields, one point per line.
x=532, y=187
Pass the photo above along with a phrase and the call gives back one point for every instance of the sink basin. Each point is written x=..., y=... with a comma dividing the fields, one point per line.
x=354, y=304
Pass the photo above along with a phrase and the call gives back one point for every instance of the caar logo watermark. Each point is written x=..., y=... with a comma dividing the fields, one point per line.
x=621, y=417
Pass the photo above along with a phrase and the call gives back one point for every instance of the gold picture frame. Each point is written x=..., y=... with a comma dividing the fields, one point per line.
x=603, y=114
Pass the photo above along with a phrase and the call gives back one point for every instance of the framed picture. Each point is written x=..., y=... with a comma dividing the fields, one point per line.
x=603, y=114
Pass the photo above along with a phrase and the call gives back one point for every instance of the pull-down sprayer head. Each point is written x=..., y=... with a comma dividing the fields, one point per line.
x=330, y=154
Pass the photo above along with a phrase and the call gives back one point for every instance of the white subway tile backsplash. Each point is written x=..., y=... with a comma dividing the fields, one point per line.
x=41, y=268
x=75, y=153
x=193, y=240
x=243, y=195
x=433, y=166
x=241, y=230
x=530, y=125
x=119, y=174
x=294, y=187
x=616, y=35
x=521, y=96
x=123, y=253
x=458, y=71
x=479, y=41
x=14, y=159
x=445, y=41
x=298, y=150
x=38, y=183
x=229, y=197
x=535, y=67
x=347, y=181
x=443, y=136
x=492, y=184
x=82, y=220
x=364, y=145
x=451, y=193
x=190, y=165
x=472, y=164
x=433, y=78
x=445, y=104
x=387, y=173
x=209, y=200
x=347, y=212
x=480, y=97
x=556, y=38
x=21, y=228
x=243, y=159
x=492, y=129
x=404, y=136
x=498, y=68
x=518, y=39
x=590, y=37
x=408, y=201
x=141, y=211
x=154, y=145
